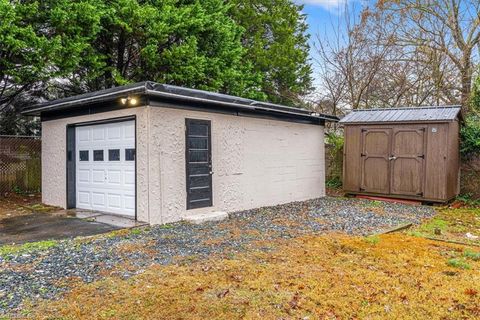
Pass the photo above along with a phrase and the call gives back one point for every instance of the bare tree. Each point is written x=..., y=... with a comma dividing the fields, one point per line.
x=361, y=66
x=348, y=63
x=401, y=52
x=450, y=29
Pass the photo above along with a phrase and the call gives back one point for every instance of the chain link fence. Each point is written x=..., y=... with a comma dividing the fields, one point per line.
x=20, y=164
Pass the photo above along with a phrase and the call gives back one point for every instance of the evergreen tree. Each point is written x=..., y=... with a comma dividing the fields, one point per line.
x=277, y=44
x=186, y=43
x=55, y=48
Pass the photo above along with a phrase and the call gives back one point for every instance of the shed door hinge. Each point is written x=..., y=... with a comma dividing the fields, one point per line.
x=422, y=156
x=420, y=194
x=362, y=154
x=361, y=189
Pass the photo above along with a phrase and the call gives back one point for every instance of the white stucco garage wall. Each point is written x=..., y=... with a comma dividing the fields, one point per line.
x=256, y=162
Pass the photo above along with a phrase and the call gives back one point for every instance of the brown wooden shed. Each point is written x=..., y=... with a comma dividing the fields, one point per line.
x=410, y=153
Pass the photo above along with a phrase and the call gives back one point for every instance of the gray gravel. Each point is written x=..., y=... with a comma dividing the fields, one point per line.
x=39, y=275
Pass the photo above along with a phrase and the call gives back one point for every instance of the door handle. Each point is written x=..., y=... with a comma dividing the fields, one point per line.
x=211, y=172
x=392, y=158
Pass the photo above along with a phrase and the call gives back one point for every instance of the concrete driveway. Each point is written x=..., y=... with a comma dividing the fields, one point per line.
x=60, y=225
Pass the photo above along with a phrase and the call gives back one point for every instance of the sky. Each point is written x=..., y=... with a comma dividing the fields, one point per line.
x=322, y=18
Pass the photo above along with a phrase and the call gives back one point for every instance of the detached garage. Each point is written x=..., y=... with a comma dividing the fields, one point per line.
x=160, y=153
x=410, y=153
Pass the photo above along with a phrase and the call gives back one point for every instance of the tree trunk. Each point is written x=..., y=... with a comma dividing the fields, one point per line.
x=466, y=74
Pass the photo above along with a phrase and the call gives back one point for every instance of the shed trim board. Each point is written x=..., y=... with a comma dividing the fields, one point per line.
x=72, y=157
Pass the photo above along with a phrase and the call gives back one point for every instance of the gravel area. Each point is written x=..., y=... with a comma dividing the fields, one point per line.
x=45, y=274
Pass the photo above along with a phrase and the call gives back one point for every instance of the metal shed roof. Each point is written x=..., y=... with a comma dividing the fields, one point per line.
x=414, y=114
x=159, y=91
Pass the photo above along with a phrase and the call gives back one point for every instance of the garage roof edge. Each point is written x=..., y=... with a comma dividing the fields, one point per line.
x=153, y=89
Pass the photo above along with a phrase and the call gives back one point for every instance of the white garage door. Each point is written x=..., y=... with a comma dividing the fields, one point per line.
x=105, y=167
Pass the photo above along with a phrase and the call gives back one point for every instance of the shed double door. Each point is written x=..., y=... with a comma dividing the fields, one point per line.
x=392, y=161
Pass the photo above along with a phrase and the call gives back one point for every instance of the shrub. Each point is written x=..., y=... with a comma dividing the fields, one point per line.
x=335, y=156
x=470, y=137
x=336, y=140
x=334, y=182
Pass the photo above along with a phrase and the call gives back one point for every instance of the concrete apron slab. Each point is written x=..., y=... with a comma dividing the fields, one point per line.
x=60, y=225
x=207, y=217
x=103, y=217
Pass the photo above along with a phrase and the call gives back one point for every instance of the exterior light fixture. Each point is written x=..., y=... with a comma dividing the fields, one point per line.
x=129, y=100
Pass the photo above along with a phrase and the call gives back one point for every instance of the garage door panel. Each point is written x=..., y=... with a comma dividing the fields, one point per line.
x=114, y=133
x=114, y=200
x=129, y=131
x=83, y=197
x=114, y=177
x=129, y=177
x=106, y=183
x=84, y=175
x=98, y=176
x=129, y=201
x=83, y=134
x=98, y=199
x=98, y=133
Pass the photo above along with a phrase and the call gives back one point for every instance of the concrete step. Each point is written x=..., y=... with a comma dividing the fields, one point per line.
x=207, y=217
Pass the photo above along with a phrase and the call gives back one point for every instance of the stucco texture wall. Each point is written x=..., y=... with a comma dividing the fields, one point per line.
x=256, y=162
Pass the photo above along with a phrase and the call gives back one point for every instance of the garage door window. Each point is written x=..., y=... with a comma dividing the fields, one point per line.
x=97, y=155
x=129, y=154
x=83, y=155
x=114, y=155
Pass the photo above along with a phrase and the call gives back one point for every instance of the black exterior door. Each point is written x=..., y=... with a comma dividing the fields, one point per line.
x=198, y=158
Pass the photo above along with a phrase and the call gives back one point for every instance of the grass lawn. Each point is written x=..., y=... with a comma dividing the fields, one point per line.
x=14, y=204
x=395, y=276
x=452, y=225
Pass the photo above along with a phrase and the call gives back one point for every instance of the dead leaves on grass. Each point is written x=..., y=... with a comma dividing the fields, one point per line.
x=312, y=277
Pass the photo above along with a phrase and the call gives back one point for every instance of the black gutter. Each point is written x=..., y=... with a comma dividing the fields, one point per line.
x=172, y=93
